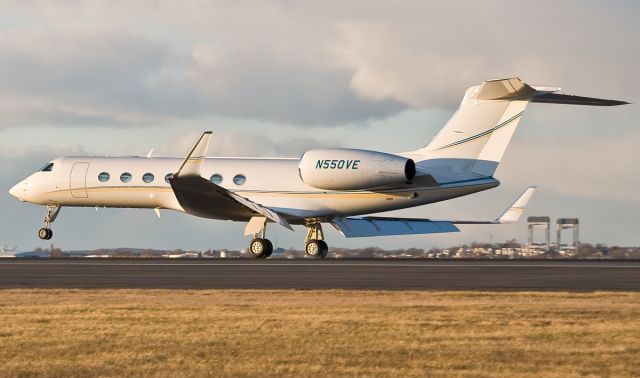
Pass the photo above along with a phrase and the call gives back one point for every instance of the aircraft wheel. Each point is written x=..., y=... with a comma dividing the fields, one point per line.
x=324, y=248
x=269, y=250
x=316, y=248
x=260, y=248
x=45, y=233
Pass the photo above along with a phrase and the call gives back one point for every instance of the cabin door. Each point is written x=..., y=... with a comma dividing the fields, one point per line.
x=78, y=180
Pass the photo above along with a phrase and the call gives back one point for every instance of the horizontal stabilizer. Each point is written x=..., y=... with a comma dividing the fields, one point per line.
x=558, y=98
x=514, y=89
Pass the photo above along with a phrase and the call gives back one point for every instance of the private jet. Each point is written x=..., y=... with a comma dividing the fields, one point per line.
x=337, y=186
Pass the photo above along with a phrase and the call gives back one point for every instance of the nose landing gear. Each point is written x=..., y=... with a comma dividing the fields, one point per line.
x=45, y=233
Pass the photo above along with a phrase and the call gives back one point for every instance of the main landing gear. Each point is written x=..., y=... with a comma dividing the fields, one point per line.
x=314, y=244
x=45, y=233
x=261, y=247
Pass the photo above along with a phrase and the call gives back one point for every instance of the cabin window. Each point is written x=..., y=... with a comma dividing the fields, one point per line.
x=125, y=177
x=104, y=177
x=216, y=179
x=147, y=177
x=239, y=179
x=167, y=177
x=47, y=168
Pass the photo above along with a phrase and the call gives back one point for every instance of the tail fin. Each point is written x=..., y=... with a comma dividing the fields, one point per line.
x=475, y=138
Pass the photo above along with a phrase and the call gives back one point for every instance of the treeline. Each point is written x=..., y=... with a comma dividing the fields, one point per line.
x=507, y=249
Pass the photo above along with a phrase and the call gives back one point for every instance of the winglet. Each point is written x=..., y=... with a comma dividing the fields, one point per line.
x=193, y=162
x=513, y=213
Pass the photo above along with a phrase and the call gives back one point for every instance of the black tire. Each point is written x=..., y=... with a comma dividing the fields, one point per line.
x=260, y=248
x=50, y=235
x=43, y=233
x=269, y=250
x=324, y=248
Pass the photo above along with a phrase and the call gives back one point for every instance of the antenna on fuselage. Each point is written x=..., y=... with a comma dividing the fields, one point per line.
x=150, y=153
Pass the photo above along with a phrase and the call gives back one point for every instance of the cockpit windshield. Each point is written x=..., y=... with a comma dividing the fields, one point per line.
x=47, y=168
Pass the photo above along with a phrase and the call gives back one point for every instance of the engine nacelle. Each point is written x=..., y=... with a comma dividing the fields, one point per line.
x=351, y=169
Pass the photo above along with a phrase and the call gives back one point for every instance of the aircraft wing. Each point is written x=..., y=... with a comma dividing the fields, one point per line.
x=353, y=227
x=199, y=196
x=356, y=227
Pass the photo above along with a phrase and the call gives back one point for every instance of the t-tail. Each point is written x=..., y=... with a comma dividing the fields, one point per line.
x=474, y=140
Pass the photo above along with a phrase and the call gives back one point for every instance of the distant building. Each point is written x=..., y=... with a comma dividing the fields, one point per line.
x=32, y=255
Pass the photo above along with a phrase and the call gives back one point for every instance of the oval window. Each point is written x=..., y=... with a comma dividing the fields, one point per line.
x=167, y=177
x=216, y=179
x=125, y=177
x=239, y=179
x=104, y=177
x=147, y=177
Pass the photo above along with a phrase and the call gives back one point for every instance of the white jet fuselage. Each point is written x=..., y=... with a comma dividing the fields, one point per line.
x=273, y=183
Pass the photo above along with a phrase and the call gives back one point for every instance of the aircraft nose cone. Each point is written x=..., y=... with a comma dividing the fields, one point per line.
x=17, y=191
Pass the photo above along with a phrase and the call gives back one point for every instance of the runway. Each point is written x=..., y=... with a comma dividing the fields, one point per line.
x=307, y=274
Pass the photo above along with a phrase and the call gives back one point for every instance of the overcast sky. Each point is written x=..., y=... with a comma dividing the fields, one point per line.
x=277, y=78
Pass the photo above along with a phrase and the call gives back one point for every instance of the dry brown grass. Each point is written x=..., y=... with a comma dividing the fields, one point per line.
x=317, y=333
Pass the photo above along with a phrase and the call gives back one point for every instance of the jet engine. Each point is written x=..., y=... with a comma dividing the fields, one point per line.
x=352, y=169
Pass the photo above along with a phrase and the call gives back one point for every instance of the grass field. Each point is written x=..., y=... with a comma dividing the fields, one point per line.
x=174, y=333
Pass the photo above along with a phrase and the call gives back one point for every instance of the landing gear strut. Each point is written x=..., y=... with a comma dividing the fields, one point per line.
x=314, y=244
x=261, y=247
x=45, y=233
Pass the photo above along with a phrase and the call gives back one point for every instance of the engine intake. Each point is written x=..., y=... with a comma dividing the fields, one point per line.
x=352, y=169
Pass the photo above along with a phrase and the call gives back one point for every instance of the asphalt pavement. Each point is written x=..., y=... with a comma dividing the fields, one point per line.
x=307, y=274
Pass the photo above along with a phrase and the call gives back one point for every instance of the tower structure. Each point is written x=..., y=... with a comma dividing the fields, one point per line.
x=539, y=222
x=568, y=224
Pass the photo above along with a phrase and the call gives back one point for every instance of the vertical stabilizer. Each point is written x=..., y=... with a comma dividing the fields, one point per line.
x=476, y=137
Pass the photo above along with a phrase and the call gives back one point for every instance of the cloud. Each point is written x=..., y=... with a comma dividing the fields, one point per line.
x=102, y=73
x=148, y=62
x=423, y=56
x=111, y=79
x=238, y=143
x=259, y=84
